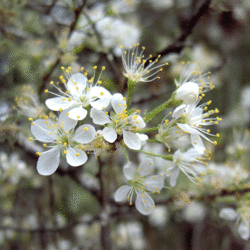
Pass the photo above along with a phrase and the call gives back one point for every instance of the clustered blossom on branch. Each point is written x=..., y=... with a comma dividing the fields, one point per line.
x=124, y=125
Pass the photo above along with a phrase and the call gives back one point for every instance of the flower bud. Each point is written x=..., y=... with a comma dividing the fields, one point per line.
x=188, y=92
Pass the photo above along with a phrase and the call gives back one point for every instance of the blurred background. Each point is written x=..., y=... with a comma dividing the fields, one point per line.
x=73, y=209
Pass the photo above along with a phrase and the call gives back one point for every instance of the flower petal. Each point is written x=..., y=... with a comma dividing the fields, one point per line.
x=155, y=182
x=187, y=128
x=228, y=213
x=129, y=171
x=78, y=113
x=188, y=92
x=146, y=167
x=118, y=103
x=48, y=162
x=109, y=134
x=144, y=205
x=77, y=84
x=57, y=103
x=173, y=177
x=76, y=157
x=131, y=140
x=42, y=130
x=179, y=111
x=197, y=143
x=243, y=230
x=138, y=122
x=85, y=134
x=67, y=122
x=122, y=193
x=103, y=96
x=99, y=117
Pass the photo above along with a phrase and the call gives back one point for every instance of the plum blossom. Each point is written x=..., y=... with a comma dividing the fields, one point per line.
x=191, y=73
x=134, y=65
x=184, y=161
x=62, y=137
x=79, y=95
x=191, y=119
x=120, y=123
x=140, y=182
x=170, y=134
x=188, y=93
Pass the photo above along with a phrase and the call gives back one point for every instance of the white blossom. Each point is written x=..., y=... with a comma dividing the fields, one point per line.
x=191, y=73
x=228, y=213
x=120, y=123
x=140, y=182
x=79, y=95
x=243, y=230
x=134, y=65
x=170, y=134
x=62, y=137
x=113, y=37
x=191, y=119
x=188, y=93
x=184, y=161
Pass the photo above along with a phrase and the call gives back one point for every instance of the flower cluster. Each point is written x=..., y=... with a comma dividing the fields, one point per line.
x=83, y=97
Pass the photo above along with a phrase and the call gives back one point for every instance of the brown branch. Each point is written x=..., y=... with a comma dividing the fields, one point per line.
x=180, y=42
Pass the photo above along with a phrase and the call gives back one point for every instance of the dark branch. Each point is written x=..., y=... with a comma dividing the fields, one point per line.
x=180, y=42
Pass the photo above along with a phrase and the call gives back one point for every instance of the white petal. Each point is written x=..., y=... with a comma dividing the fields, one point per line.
x=129, y=171
x=190, y=155
x=179, y=111
x=146, y=167
x=118, y=103
x=187, y=128
x=131, y=140
x=99, y=117
x=188, y=92
x=143, y=138
x=48, y=162
x=78, y=113
x=122, y=192
x=80, y=81
x=228, y=213
x=67, y=122
x=244, y=230
x=197, y=144
x=138, y=122
x=85, y=134
x=100, y=103
x=103, y=96
x=42, y=131
x=57, y=103
x=155, y=182
x=74, y=159
x=109, y=134
x=174, y=176
x=144, y=205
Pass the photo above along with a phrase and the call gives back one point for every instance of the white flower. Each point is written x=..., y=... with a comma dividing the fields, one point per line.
x=79, y=95
x=61, y=136
x=169, y=134
x=188, y=93
x=113, y=37
x=134, y=65
x=191, y=120
x=192, y=73
x=243, y=230
x=120, y=123
x=140, y=182
x=228, y=213
x=28, y=102
x=184, y=162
